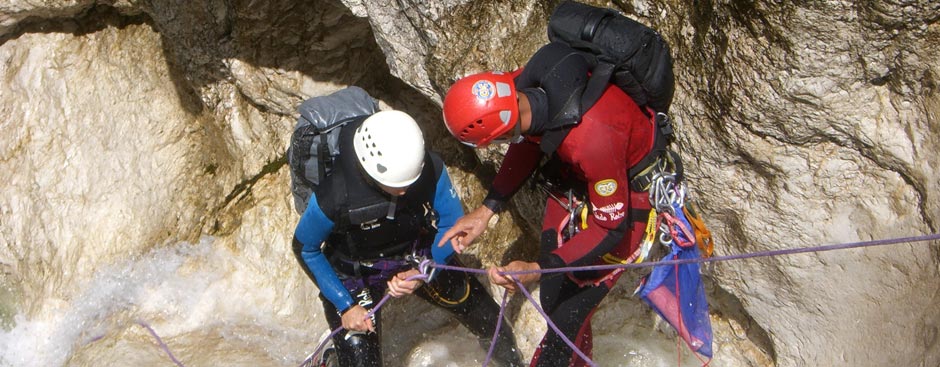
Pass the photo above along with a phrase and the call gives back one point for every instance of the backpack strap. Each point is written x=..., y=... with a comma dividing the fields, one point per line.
x=604, y=67
x=324, y=158
x=658, y=158
x=596, y=85
x=593, y=23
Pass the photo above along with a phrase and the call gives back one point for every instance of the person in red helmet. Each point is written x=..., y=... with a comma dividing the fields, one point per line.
x=592, y=215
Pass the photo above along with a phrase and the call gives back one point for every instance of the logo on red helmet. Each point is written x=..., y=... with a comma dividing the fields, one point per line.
x=483, y=89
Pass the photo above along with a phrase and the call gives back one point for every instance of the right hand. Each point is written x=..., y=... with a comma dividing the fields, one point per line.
x=399, y=285
x=497, y=276
x=467, y=229
x=354, y=319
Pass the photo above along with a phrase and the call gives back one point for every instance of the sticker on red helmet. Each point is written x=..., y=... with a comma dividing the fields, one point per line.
x=483, y=89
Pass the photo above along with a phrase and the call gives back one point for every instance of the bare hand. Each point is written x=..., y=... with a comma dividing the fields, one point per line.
x=399, y=285
x=506, y=281
x=354, y=319
x=467, y=229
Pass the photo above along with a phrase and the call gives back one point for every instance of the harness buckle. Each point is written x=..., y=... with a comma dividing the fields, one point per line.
x=664, y=123
x=372, y=224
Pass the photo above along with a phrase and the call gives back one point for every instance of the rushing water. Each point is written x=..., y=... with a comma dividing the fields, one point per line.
x=211, y=309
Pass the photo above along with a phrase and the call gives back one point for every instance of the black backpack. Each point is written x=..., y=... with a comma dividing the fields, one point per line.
x=627, y=53
x=630, y=55
x=314, y=144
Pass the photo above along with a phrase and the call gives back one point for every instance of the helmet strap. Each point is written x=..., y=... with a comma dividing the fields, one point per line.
x=391, y=208
x=517, y=133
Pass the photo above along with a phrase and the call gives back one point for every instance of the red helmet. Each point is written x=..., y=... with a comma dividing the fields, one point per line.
x=481, y=107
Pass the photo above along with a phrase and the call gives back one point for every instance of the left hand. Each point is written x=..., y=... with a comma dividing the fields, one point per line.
x=506, y=281
x=399, y=285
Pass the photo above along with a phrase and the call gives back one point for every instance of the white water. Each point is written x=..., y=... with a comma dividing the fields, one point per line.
x=181, y=291
x=211, y=309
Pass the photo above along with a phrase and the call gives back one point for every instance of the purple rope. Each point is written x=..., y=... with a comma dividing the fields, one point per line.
x=160, y=341
x=849, y=245
x=513, y=274
x=375, y=309
x=316, y=353
x=551, y=324
x=499, y=323
x=459, y=268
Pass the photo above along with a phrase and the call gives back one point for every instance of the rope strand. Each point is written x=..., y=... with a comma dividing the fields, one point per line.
x=514, y=274
x=551, y=324
x=499, y=323
x=799, y=250
x=161, y=343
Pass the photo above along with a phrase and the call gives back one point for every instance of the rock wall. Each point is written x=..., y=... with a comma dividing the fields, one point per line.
x=134, y=126
x=802, y=125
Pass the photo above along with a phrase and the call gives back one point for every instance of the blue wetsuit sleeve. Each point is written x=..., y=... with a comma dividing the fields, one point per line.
x=312, y=230
x=447, y=205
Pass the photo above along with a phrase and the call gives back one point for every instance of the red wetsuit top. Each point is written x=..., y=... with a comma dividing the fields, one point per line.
x=613, y=136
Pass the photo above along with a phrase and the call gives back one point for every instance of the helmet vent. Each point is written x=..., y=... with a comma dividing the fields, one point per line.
x=467, y=130
x=381, y=168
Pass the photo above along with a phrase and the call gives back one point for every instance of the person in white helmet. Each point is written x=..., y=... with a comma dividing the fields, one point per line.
x=387, y=200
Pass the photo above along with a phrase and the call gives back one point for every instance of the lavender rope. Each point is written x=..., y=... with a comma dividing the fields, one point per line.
x=892, y=241
x=160, y=341
x=514, y=274
x=375, y=309
x=499, y=323
x=459, y=268
x=551, y=324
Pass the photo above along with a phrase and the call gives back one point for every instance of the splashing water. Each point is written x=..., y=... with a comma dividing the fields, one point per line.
x=136, y=285
x=193, y=292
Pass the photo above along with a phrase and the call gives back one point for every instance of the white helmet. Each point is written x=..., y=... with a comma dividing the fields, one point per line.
x=390, y=148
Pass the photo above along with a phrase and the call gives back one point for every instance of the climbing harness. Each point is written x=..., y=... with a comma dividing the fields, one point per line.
x=577, y=209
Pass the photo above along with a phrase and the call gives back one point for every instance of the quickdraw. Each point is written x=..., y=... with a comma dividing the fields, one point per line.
x=668, y=199
x=702, y=235
x=674, y=230
x=648, y=239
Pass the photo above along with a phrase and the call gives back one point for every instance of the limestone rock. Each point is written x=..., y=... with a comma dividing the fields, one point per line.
x=135, y=127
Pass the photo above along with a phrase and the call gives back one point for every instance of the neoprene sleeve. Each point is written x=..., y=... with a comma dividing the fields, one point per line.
x=448, y=207
x=312, y=230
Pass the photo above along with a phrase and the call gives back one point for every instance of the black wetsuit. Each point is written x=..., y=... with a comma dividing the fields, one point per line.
x=592, y=152
x=364, y=249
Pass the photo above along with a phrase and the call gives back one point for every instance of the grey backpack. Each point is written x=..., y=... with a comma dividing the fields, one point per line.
x=314, y=144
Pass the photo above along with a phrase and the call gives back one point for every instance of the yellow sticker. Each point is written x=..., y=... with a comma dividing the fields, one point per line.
x=606, y=187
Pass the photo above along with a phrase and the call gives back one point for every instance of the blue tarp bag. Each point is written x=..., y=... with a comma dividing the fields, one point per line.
x=686, y=309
